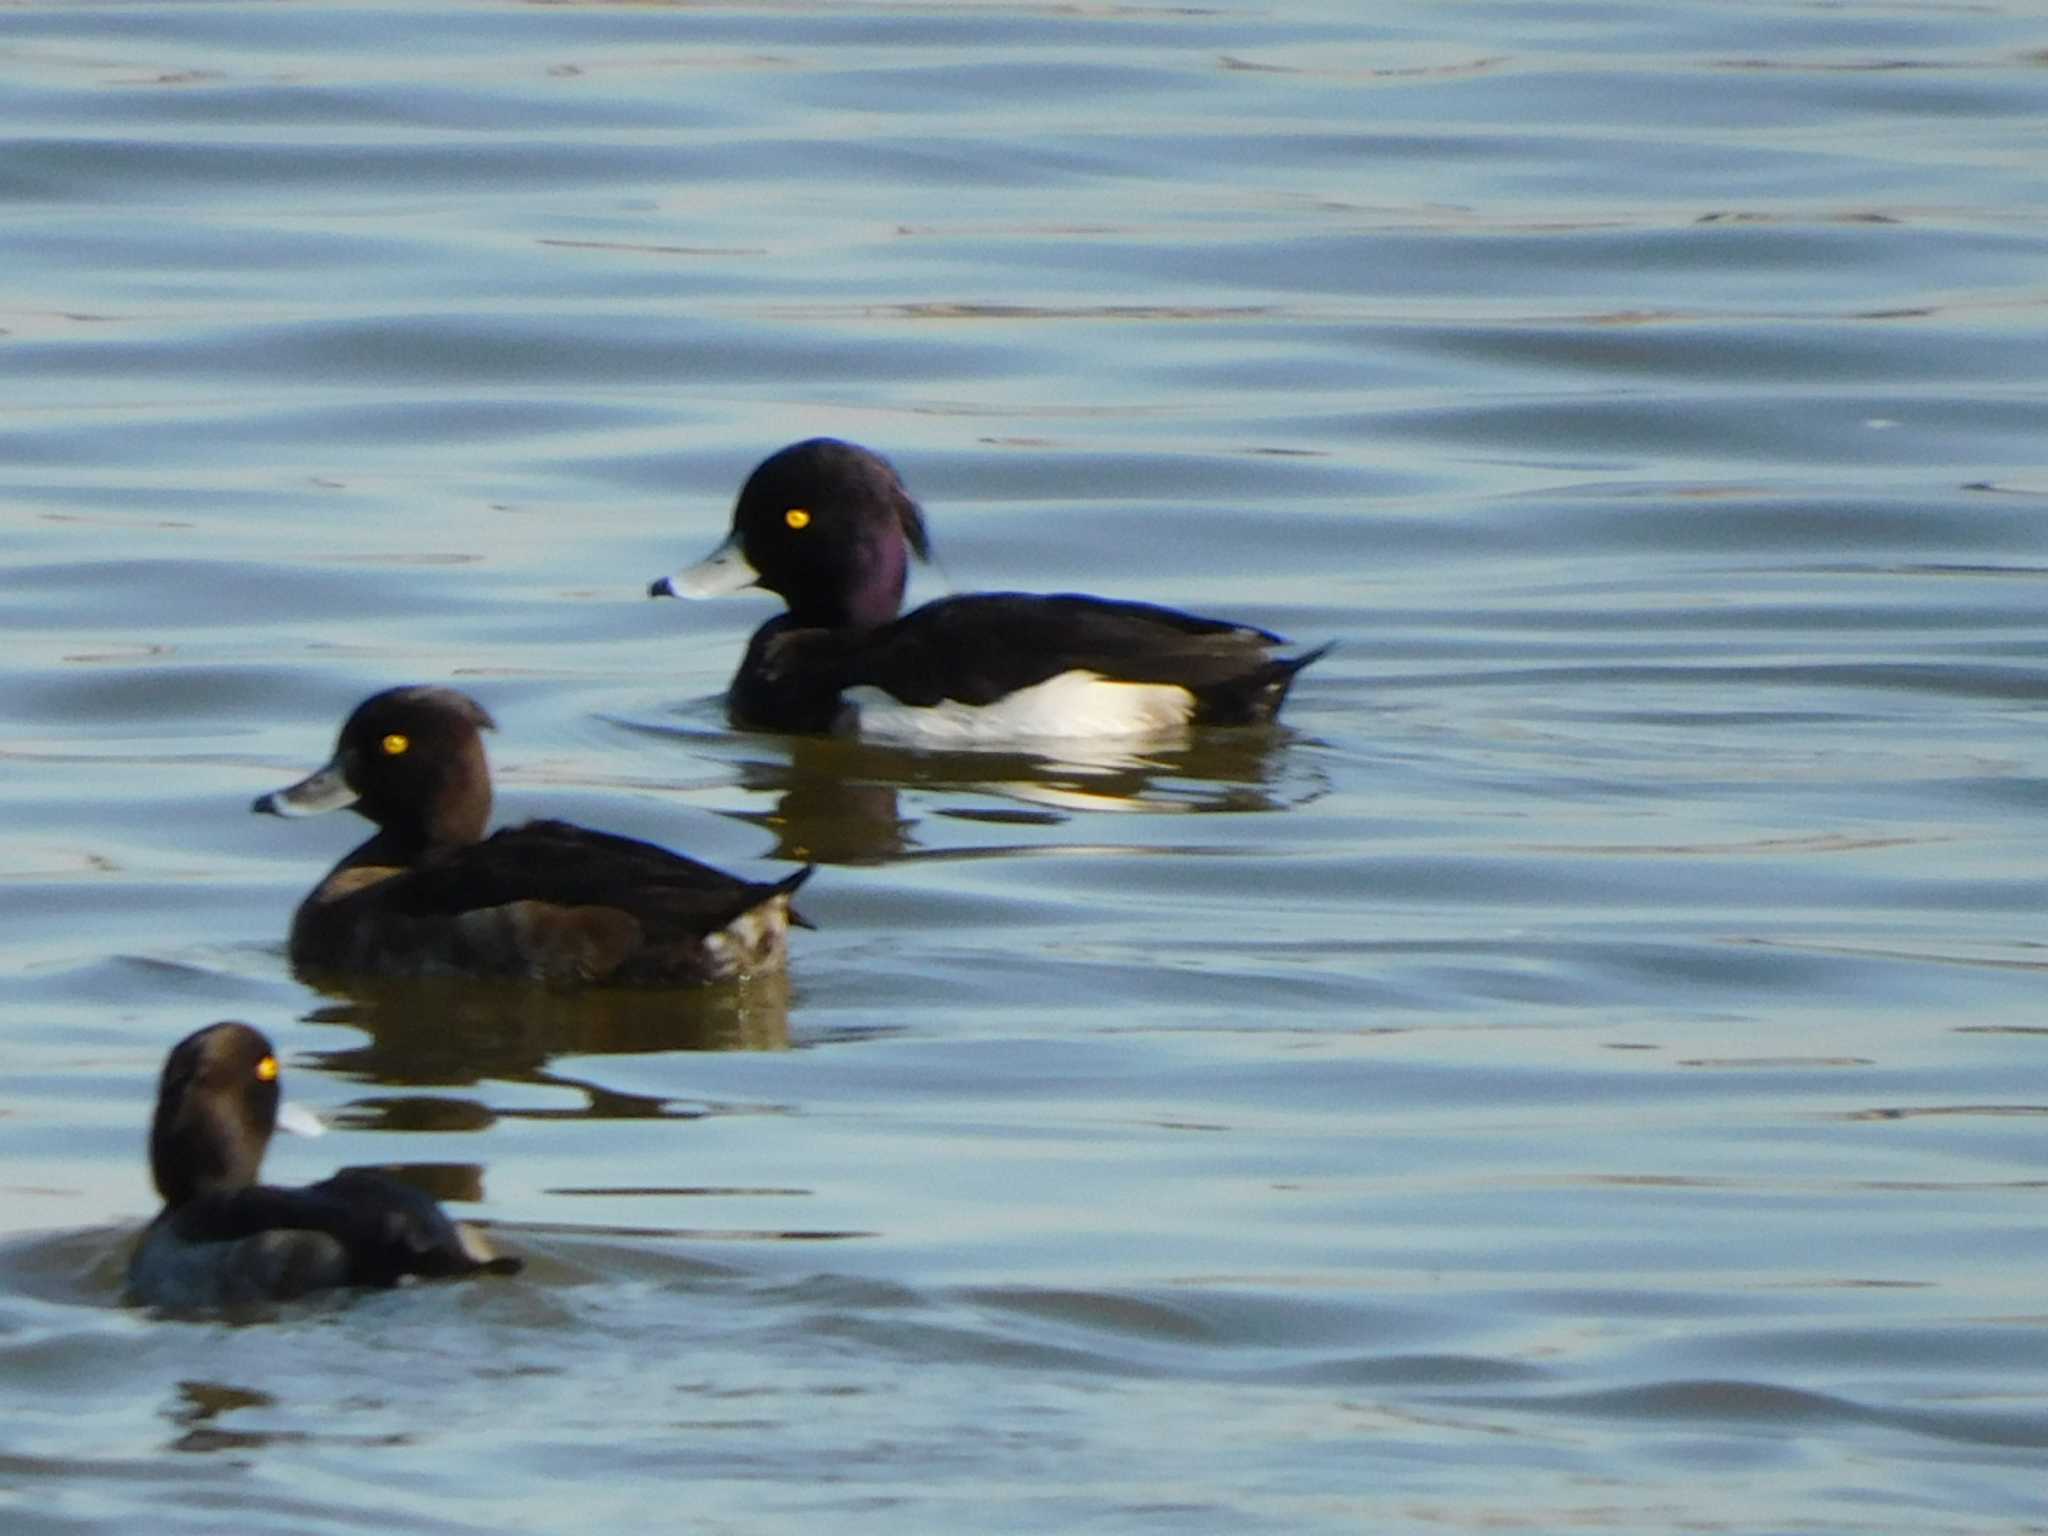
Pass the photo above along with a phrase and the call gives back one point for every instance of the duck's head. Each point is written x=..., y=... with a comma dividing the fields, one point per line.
x=216, y=1107
x=411, y=760
x=824, y=524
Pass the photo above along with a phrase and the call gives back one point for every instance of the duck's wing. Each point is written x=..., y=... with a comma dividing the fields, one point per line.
x=558, y=864
x=380, y=1229
x=555, y=903
x=979, y=647
x=394, y=1229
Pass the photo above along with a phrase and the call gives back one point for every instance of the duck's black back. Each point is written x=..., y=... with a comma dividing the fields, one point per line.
x=384, y=1228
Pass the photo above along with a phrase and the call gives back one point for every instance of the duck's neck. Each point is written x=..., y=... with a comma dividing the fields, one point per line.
x=402, y=845
x=456, y=811
x=202, y=1149
x=863, y=595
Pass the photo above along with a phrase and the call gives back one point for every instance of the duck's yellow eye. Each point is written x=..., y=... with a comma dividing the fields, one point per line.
x=394, y=744
x=266, y=1069
x=797, y=517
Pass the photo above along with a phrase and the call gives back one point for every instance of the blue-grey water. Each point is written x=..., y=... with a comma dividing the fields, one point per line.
x=1584, y=1072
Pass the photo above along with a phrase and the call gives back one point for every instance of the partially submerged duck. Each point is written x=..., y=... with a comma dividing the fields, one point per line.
x=829, y=527
x=431, y=895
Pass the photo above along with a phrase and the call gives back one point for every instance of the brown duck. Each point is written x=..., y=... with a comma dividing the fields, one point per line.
x=431, y=895
x=223, y=1240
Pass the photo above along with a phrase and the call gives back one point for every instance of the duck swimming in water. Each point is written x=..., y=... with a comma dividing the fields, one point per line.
x=430, y=895
x=222, y=1239
x=829, y=527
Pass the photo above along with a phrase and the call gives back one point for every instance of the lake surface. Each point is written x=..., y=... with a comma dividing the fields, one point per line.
x=1583, y=1072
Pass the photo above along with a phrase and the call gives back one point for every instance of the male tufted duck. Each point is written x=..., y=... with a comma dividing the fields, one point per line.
x=829, y=527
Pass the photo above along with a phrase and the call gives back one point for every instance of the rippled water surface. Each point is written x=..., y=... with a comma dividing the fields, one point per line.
x=1583, y=1072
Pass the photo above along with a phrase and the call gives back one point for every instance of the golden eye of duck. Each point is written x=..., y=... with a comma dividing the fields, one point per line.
x=797, y=517
x=394, y=744
x=266, y=1069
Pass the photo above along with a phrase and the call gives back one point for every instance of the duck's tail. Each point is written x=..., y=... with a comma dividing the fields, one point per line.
x=787, y=886
x=1255, y=697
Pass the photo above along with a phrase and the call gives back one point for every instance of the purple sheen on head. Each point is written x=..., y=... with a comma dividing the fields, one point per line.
x=877, y=597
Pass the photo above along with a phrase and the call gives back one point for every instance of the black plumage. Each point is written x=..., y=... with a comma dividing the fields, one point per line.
x=829, y=527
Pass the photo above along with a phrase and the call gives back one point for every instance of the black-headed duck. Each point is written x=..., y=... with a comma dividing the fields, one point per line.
x=431, y=895
x=223, y=1240
x=829, y=527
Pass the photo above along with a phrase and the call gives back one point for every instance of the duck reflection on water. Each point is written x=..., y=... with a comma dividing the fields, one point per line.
x=839, y=800
x=451, y=1033
x=425, y=1050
